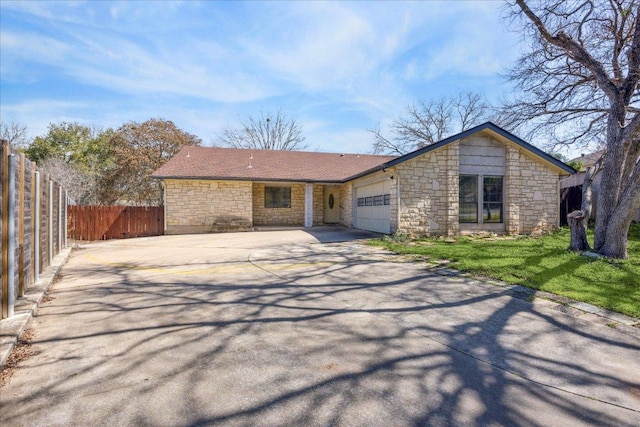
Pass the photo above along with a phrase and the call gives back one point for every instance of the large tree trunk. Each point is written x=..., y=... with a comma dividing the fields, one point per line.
x=617, y=231
x=611, y=175
x=578, y=231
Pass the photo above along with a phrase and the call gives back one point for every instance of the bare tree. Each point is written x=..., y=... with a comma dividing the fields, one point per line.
x=579, y=83
x=80, y=183
x=14, y=133
x=267, y=132
x=428, y=122
x=137, y=150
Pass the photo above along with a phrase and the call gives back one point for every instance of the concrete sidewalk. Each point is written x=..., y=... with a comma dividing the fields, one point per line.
x=278, y=328
x=26, y=306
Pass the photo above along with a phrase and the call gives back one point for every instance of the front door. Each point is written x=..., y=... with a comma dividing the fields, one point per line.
x=331, y=205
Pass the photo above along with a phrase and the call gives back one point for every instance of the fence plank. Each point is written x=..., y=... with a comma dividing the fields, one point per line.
x=114, y=222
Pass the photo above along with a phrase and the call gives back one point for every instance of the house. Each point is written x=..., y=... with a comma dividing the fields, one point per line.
x=483, y=179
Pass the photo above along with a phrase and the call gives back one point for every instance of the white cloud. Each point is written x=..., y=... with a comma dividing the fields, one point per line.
x=36, y=114
x=207, y=64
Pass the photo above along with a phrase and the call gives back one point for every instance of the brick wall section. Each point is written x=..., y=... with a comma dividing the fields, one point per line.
x=279, y=216
x=346, y=205
x=531, y=194
x=429, y=193
x=202, y=206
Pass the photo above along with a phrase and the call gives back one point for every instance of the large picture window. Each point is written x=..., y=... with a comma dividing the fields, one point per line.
x=277, y=197
x=481, y=203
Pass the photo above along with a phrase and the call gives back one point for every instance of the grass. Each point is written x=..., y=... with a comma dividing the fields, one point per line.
x=542, y=263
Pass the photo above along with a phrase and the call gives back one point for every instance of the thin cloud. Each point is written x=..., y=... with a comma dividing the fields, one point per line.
x=342, y=66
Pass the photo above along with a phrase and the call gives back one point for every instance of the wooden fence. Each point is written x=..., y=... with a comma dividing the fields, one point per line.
x=33, y=213
x=114, y=222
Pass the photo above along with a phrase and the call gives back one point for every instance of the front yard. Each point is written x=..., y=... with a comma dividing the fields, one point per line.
x=542, y=263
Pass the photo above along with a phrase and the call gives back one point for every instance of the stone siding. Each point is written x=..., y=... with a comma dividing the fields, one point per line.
x=293, y=215
x=531, y=199
x=318, y=204
x=346, y=205
x=204, y=206
x=428, y=193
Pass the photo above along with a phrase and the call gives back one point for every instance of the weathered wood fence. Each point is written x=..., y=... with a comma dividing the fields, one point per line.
x=115, y=222
x=33, y=224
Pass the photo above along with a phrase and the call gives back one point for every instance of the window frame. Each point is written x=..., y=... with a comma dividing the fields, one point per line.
x=492, y=202
x=280, y=197
x=480, y=202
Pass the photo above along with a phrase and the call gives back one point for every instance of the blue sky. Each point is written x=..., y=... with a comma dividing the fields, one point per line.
x=338, y=68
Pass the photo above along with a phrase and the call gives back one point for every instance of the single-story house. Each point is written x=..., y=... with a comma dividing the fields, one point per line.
x=482, y=179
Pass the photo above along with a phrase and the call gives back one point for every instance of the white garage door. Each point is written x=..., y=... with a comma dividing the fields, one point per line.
x=373, y=207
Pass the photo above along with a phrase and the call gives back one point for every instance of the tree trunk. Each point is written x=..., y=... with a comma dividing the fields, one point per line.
x=611, y=173
x=578, y=231
x=587, y=189
x=615, y=244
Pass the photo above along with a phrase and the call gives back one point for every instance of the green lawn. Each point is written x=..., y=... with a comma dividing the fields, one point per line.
x=542, y=263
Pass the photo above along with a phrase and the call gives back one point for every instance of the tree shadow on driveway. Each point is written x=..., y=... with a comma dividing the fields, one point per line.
x=310, y=335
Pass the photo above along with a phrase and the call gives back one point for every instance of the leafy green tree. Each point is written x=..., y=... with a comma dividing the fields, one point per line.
x=75, y=155
x=67, y=141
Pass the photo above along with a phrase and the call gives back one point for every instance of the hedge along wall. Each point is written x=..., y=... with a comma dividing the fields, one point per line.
x=33, y=218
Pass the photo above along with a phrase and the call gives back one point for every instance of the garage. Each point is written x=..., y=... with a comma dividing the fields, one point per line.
x=373, y=207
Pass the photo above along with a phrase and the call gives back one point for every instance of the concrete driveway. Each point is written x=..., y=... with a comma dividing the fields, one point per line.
x=279, y=328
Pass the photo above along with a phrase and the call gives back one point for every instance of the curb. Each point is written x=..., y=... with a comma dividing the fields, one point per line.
x=26, y=306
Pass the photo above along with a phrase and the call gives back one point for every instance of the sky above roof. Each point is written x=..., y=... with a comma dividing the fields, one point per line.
x=338, y=68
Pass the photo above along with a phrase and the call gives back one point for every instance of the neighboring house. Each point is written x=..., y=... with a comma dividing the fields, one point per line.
x=483, y=179
x=571, y=188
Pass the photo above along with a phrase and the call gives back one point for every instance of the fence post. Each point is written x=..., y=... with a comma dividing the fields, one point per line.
x=66, y=219
x=36, y=228
x=12, y=235
x=21, y=190
x=60, y=218
x=4, y=273
x=50, y=228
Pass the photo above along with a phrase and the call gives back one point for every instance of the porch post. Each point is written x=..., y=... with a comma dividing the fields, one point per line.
x=308, y=205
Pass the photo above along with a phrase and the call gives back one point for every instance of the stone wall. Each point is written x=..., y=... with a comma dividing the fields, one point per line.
x=203, y=206
x=318, y=204
x=428, y=193
x=531, y=194
x=293, y=215
x=346, y=205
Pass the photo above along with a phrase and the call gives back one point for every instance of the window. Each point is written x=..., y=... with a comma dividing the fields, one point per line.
x=277, y=197
x=492, y=199
x=490, y=193
x=468, y=196
x=379, y=200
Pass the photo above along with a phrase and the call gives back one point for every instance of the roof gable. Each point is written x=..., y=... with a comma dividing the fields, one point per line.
x=490, y=128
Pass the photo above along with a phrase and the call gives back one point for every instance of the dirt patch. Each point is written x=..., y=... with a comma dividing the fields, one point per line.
x=20, y=352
